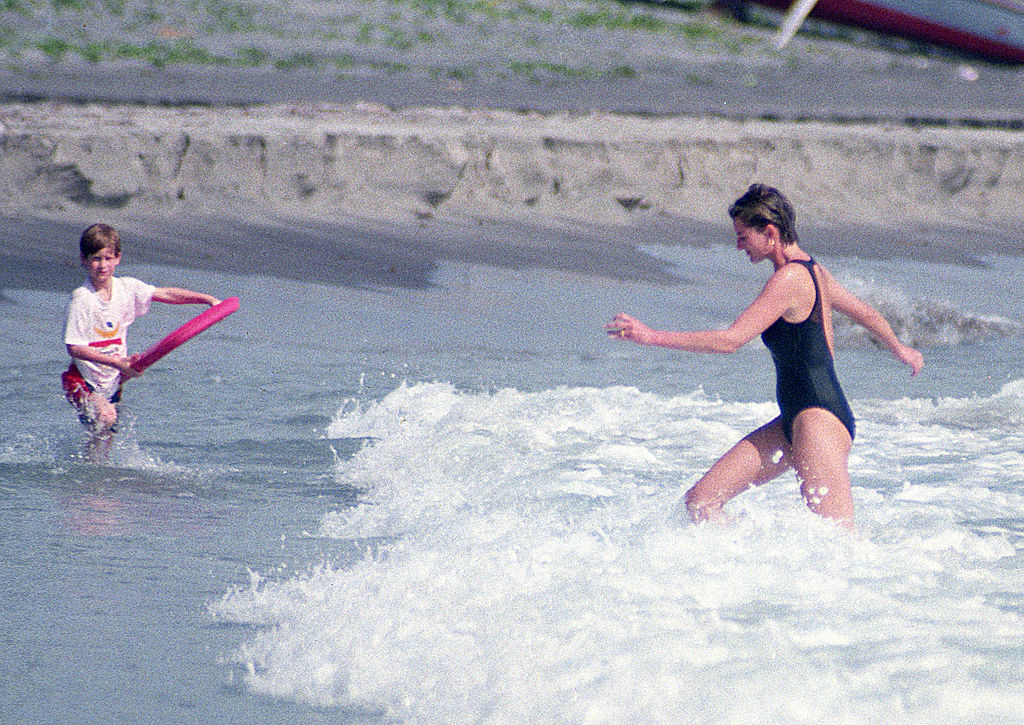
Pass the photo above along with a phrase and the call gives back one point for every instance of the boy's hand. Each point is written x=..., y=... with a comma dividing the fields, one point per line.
x=124, y=364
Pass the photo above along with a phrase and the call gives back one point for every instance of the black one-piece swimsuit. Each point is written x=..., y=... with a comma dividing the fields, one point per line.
x=804, y=374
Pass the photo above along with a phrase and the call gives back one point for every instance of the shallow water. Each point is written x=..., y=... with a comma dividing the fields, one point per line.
x=457, y=504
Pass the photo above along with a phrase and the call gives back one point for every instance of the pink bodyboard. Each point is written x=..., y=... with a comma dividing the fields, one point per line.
x=186, y=332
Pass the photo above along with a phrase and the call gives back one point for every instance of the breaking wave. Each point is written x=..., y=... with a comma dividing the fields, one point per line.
x=922, y=322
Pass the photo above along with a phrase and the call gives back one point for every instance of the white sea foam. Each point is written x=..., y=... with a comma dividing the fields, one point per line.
x=524, y=563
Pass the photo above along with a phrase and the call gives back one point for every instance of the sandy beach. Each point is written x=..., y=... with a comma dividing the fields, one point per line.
x=366, y=194
x=385, y=136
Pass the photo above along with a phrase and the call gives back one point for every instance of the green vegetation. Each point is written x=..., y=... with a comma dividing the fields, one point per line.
x=231, y=17
x=622, y=72
x=92, y=52
x=342, y=62
x=296, y=60
x=114, y=7
x=251, y=56
x=162, y=54
x=77, y=5
x=365, y=33
x=15, y=6
x=618, y=20
x=55, y=48
x=543, y=39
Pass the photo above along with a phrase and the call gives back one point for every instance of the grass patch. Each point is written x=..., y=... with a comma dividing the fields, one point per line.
x=397, y=39
x=622, y=72
x=77, y=5
x=16, y=6
x=389, y=67
x=231, y=17
x=534, y=70
x=92, y=52
x=296, y=61
x=617, y=20
x=251, y=57
x=163, y=54
x=342, y=62
x=460, y=74
x=365, y=33
x=526, y=10
x=700, y=31
x=54, y=48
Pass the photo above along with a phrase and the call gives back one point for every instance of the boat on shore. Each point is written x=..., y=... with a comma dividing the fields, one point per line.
x=992, y=29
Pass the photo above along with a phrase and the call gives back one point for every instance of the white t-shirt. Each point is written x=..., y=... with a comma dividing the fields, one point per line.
x=103, y=325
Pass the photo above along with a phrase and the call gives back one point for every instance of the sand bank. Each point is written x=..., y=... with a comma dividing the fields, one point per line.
x=332, y=163
x=363, y=194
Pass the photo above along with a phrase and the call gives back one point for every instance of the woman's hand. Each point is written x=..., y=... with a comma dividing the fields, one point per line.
x=624, y=327
x=909, y=356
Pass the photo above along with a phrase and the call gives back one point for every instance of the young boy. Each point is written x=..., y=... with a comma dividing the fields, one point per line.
x=98, y=318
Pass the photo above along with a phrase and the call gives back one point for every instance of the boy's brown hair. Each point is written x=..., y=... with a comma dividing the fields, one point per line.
x=97, y=237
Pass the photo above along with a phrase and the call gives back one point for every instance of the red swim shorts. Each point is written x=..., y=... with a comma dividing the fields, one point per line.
x=76, y=390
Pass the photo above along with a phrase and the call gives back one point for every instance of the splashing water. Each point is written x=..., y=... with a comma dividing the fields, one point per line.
x=524, y=563
x=497, y=539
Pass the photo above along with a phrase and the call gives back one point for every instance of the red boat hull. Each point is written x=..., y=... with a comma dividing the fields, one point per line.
x=872, y=16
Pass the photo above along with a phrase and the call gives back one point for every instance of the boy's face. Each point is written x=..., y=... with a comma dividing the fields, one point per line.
x=101, y=265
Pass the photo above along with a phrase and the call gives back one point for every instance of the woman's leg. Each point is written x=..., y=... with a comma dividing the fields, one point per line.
x=820, y=455
x=759, y=457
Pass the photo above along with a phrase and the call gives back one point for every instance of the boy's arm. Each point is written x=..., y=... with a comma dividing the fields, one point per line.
x=179, y=296
x=123, y=364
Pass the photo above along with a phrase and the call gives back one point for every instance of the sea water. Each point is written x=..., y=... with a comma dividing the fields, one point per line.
x=459, y=503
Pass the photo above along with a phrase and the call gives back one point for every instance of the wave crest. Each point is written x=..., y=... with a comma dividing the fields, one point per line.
x=921, y=322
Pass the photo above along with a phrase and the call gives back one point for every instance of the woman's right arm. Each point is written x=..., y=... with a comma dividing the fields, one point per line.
x=775, y=299
x=871, y=319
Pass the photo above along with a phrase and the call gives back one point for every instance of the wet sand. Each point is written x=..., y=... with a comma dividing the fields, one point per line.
x=405, y=255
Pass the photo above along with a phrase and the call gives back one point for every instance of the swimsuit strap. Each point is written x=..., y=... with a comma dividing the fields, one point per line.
x=808, y=264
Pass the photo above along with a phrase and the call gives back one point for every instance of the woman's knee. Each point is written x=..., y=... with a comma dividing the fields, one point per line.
x=704, y=504
x=692, y=502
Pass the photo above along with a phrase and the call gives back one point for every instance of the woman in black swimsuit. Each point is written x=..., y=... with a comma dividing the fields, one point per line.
x=793, y=315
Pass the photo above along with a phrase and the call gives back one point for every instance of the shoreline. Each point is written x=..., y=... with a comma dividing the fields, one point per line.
x=367, y=195
x=405, y=255
x=362, y=135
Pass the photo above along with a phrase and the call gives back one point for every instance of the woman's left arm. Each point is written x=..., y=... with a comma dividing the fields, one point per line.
x=868, y=317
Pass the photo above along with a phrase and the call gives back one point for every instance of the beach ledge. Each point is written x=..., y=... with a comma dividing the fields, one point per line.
x=332, y=163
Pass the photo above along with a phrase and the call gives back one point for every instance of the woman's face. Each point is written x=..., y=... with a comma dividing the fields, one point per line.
x=757, y=244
